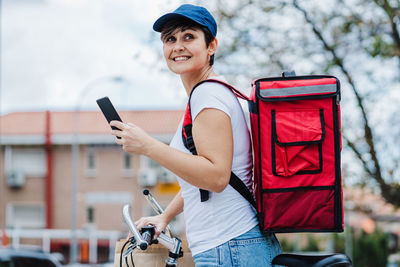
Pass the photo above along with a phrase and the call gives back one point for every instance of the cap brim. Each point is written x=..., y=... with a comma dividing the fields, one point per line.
x=159, y=24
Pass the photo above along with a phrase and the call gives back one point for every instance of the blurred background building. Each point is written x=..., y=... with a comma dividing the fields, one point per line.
x=36, y=171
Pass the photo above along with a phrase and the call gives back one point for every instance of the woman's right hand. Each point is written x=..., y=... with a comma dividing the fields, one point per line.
x=159, y=222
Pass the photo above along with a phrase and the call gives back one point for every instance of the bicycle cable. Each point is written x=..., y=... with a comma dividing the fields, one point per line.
x=122, y=250
x=126, y=258
x=133, y=265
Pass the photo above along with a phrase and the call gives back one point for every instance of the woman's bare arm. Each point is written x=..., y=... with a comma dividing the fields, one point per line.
x=210, y=169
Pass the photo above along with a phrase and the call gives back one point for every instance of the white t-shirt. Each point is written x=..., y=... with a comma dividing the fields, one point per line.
x=227, y=214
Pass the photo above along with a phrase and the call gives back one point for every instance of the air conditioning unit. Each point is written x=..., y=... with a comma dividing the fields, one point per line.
x=166, y=176
x=147, y=177
x=15, y=178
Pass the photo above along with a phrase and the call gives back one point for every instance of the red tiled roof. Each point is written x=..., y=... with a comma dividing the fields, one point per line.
x=90, y=122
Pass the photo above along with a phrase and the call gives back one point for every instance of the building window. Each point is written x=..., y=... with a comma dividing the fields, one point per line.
x=91, y=163
x=91, y=160
x=25, y=216
x=153, y=164
x=127, y=161
x=147, y=163
x=30, y=161
x=90, y=214
x=127, y=170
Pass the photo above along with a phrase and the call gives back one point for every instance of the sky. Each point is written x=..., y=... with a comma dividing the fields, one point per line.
x=64, y=54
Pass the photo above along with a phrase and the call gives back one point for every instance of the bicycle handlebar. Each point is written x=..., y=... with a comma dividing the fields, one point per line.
x=147, y=237
x=156, y=207
x=153, y=203
x=142, y=243
x=143, y=240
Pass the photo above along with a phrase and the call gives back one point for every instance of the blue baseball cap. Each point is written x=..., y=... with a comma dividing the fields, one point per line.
x=197, y=14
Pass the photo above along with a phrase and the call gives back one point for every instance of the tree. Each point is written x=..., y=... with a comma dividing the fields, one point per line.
x=355, y=40
x=371, y=250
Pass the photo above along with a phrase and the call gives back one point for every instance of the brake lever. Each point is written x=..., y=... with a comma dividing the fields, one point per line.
x=129, y=250
x=156, y=207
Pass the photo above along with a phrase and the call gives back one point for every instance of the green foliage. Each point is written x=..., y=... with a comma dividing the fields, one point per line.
x=286, y=245
x=312, y=244
x=370, y=250
x=339, y=243
x=381, y=47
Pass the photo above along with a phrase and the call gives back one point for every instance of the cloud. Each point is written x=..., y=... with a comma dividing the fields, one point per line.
x=54, y=50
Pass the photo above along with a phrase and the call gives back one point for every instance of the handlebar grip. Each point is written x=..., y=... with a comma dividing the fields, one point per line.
x=147, y=237
x=143, y=245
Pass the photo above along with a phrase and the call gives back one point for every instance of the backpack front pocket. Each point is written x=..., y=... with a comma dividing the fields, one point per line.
x=297, y=137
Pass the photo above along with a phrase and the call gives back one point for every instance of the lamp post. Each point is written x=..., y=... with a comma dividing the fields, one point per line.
x=75, y=160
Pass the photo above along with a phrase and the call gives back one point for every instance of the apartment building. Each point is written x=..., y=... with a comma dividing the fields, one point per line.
x=38, y=170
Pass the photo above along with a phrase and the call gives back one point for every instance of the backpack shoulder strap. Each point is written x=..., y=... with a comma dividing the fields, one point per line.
x=188, y=142
x=233, y=89
x=239, y=186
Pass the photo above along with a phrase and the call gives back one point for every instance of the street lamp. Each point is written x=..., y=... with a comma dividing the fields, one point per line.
x=75, y=160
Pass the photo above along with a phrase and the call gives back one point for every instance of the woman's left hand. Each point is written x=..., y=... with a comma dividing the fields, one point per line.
x=132, y=138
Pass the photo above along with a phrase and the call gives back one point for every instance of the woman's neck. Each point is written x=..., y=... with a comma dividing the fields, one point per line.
x=190, y=80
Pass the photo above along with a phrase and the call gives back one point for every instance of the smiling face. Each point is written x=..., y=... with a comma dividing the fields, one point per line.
x=185, y=50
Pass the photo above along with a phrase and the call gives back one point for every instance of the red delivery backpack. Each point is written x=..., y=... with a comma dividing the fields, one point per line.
x=295, y=128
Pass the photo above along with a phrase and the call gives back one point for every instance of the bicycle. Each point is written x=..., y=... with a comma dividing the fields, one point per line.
x=142, y=240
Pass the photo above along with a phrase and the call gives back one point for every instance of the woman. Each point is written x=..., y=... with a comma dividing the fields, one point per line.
x=222, y=231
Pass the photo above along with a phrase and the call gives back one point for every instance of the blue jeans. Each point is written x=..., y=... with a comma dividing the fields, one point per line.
x=250, y=249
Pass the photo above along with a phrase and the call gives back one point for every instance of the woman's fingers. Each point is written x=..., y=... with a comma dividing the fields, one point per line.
x=156, y=221
x=132, y=138
x=143, y=222
x=117, y=124
x=120, y=126
x=158, y=231
x=117, y=133
x=139, y=224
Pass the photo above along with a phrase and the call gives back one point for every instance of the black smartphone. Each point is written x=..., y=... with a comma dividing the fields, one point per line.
x=108, y=110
